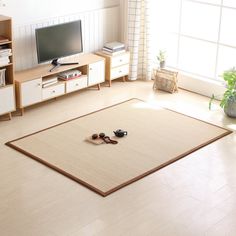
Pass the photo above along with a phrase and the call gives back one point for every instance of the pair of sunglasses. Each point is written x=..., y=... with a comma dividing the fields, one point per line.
x=104, y=137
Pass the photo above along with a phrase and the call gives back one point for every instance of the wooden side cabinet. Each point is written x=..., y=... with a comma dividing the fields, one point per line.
x=117, y=66
x=7, y=89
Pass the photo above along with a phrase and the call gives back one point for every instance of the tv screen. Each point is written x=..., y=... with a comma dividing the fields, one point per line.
x=58, y=41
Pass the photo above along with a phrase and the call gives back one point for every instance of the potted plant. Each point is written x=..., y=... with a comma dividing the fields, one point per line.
x=228, y=101
x=161, y=57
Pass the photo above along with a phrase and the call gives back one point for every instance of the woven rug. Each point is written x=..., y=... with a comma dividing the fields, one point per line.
x=156, y=137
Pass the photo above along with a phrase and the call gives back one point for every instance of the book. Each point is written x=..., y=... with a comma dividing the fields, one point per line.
x=113, y=53
x=2, y=77
x=69, y=78
x=4, y=61
x=49, y=84
x=50, y=80
x=114, y=45
x=6, y=58
x=3, y=47
x=5, y=50
x=5, y=54
x=70, y=74
x=113, y=50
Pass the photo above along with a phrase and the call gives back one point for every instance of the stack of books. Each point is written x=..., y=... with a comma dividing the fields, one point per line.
x=113, y=48
x=49, y=81
x=69, y=75
x=5, y=53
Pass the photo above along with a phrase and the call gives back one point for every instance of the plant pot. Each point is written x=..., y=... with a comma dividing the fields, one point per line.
x=230, y=108
x=162, y=64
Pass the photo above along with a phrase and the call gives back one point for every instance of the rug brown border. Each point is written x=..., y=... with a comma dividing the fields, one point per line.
x=104, y=194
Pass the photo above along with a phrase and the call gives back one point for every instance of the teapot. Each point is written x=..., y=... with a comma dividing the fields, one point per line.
x=120, y=133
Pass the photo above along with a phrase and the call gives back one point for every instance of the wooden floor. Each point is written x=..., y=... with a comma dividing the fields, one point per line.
x=194, y=196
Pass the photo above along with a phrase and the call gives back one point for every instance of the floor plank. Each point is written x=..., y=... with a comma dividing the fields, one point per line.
x=194, y=196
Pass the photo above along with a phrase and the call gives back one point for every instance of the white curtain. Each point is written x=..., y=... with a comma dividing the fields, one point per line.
x=138, y=39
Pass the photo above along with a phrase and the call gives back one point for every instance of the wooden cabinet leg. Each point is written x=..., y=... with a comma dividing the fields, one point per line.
x=124, y=79
x=99, y=86
x=109, y=83
x=9, y=116
x=5, y=117
x=21, y=111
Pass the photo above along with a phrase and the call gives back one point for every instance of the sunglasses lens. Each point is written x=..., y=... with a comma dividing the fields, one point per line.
x=94, y=136
x=102, y=135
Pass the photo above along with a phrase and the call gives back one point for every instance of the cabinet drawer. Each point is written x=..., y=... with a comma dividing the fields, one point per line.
x=31, y=92
x=120, y=60
x=76, y=84
x=119, y=71
x=7, y=99
x=53, y=91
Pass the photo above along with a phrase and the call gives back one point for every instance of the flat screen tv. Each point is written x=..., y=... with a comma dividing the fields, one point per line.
x=57, y=41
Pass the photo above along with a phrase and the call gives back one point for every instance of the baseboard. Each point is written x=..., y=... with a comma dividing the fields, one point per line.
x=200, y=86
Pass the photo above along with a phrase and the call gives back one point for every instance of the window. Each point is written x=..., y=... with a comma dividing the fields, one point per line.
x=197, y=35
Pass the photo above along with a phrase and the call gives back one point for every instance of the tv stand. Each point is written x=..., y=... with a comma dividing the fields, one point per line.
x=56, y=64
x=29, y=83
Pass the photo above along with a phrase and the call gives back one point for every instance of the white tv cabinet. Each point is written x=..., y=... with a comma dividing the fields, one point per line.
x=29, y=90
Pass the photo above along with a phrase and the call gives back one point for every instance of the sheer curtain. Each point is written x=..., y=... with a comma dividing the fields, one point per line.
x=138, y=39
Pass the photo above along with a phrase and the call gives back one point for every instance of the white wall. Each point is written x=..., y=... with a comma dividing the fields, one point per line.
x=100, y=23
x=26, y=11
x=123, y=20
x=201, y=85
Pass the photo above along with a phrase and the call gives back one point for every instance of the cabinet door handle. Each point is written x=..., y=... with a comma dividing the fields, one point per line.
x=121, y=60
x=76, y=84
x=39, y=84
x=53, y=91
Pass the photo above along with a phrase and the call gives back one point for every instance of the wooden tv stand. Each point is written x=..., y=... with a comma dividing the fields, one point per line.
x=29, y=83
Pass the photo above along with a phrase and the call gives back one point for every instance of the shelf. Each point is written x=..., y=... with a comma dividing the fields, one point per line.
x=9, y=64
x=4, y=43
x=7, y=92
x=59, y=82
x=43, y=70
